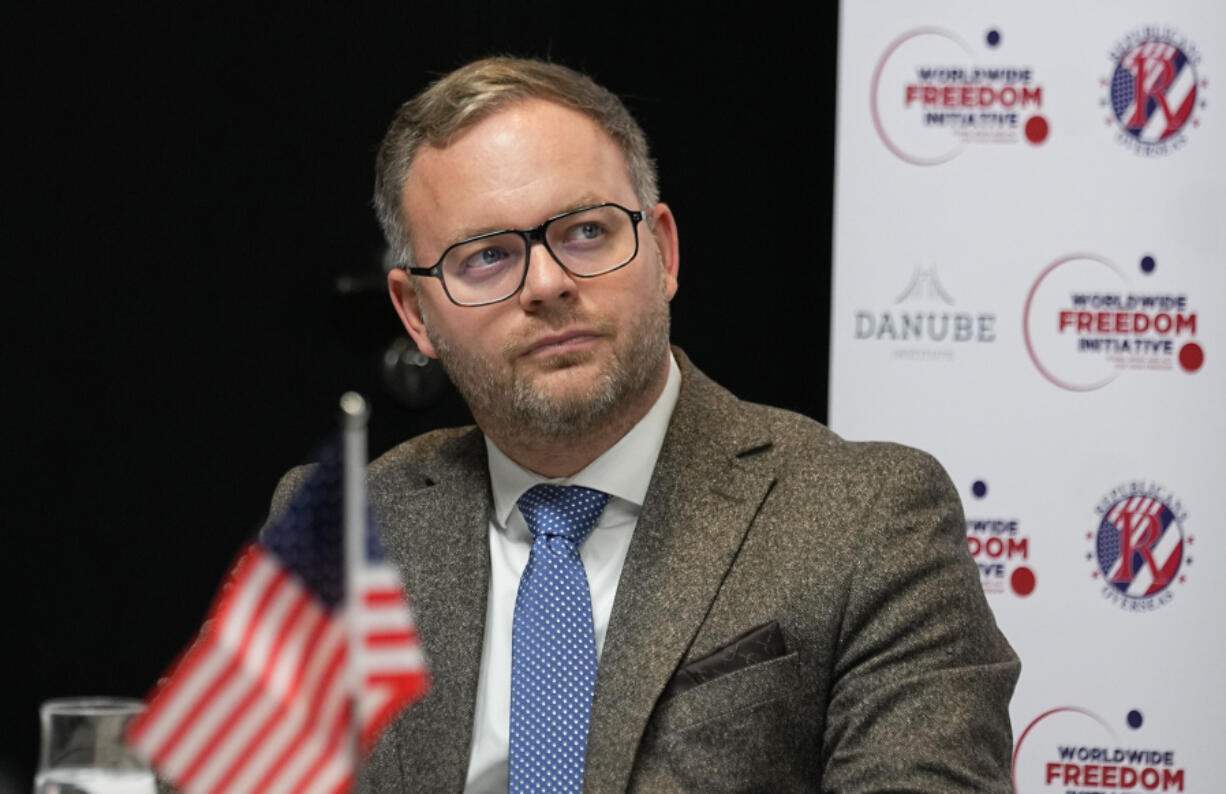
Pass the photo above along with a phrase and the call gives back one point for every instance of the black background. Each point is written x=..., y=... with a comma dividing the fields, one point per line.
x=184, y=188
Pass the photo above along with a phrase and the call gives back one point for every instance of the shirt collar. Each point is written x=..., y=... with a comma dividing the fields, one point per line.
x=623, y=470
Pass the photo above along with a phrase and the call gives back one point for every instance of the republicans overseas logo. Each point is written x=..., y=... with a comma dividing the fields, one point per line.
x=1139, y=547
x=1155, y=90
x=1071, y=749
x=1085, y=323
x=933, y=94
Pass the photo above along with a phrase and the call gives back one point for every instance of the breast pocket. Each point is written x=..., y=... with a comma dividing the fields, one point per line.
x=748, y=730
x=740, y=690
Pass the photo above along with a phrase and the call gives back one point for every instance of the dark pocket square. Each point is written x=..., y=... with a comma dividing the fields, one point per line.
x=759, y=644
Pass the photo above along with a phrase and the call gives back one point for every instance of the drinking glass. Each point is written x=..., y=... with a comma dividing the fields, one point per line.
x=83, y=750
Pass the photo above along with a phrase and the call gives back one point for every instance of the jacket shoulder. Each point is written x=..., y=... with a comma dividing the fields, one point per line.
x=427, y=451
x=414, y=462
x=455, y=455
x=803, y=444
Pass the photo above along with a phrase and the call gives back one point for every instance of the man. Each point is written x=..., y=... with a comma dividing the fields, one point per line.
x=770, y=606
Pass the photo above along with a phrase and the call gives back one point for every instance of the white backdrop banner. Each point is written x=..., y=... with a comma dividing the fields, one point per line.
x=1029, y=256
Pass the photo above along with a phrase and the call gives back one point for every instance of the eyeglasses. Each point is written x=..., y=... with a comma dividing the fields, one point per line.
x=489, y=268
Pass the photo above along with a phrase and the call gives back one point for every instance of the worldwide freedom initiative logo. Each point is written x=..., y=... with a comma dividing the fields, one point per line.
x=933, y=95
x=1085, y=323
x=1071, y=749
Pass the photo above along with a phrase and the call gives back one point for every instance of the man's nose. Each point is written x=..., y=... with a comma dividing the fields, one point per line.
x=546, y=280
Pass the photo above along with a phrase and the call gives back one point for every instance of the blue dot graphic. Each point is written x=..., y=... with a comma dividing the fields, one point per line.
x=1148, y=264
x=993, y=38
x=980, y=489
x=1134, y=719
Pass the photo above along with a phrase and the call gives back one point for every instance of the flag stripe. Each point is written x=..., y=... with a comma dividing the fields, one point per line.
x=392, y=661
x=380, y=576
x=377, y=639
x=374, y=598
x=375, y=620
x=392, y=672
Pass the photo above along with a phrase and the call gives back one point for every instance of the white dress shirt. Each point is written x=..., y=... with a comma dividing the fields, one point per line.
x=624, y=472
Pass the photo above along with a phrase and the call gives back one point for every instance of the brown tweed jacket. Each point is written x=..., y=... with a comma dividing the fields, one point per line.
x=894, y=677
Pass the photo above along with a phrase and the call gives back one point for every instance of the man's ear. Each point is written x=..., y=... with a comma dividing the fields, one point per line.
x=664, y=229
x=404, y=297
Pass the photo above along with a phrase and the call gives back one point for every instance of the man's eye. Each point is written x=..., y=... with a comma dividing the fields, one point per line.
x=481, y=261
x=492, y=256
x=585, y=232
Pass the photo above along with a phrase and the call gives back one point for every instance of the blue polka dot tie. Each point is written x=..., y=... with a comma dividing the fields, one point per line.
x=553, y=646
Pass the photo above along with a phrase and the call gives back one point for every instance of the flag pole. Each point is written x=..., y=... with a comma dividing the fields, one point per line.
x=354, y=415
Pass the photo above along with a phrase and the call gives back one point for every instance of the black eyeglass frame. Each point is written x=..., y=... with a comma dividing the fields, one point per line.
x=530, y=236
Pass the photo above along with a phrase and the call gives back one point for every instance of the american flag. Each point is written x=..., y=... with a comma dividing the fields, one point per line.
x=261, y=702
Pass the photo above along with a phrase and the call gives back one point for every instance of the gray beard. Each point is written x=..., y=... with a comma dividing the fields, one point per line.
x=509, y=406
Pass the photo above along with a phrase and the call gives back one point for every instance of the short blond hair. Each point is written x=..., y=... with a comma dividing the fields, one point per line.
x=464, y=97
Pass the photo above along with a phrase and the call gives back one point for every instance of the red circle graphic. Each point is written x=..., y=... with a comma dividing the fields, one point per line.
x=1191, y=357
x=1022, y=580
x=1036, y=129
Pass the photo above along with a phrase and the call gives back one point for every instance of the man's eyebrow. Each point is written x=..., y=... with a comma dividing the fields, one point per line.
x=585, y=200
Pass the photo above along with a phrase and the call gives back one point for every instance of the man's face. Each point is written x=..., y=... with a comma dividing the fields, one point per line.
x=565, y=353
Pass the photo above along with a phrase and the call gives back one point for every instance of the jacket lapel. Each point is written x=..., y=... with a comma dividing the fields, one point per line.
x=437, y=534
x=701, y=502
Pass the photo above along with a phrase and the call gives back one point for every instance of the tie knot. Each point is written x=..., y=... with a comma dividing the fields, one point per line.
x=568, y=511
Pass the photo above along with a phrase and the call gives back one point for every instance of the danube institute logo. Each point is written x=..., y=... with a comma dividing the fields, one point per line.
x=1155, y=90
x=1000, y=547
x=1085, y=323
x=933, y=94
x=924, y=322
x=1139, y=550
x=1072, y=749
